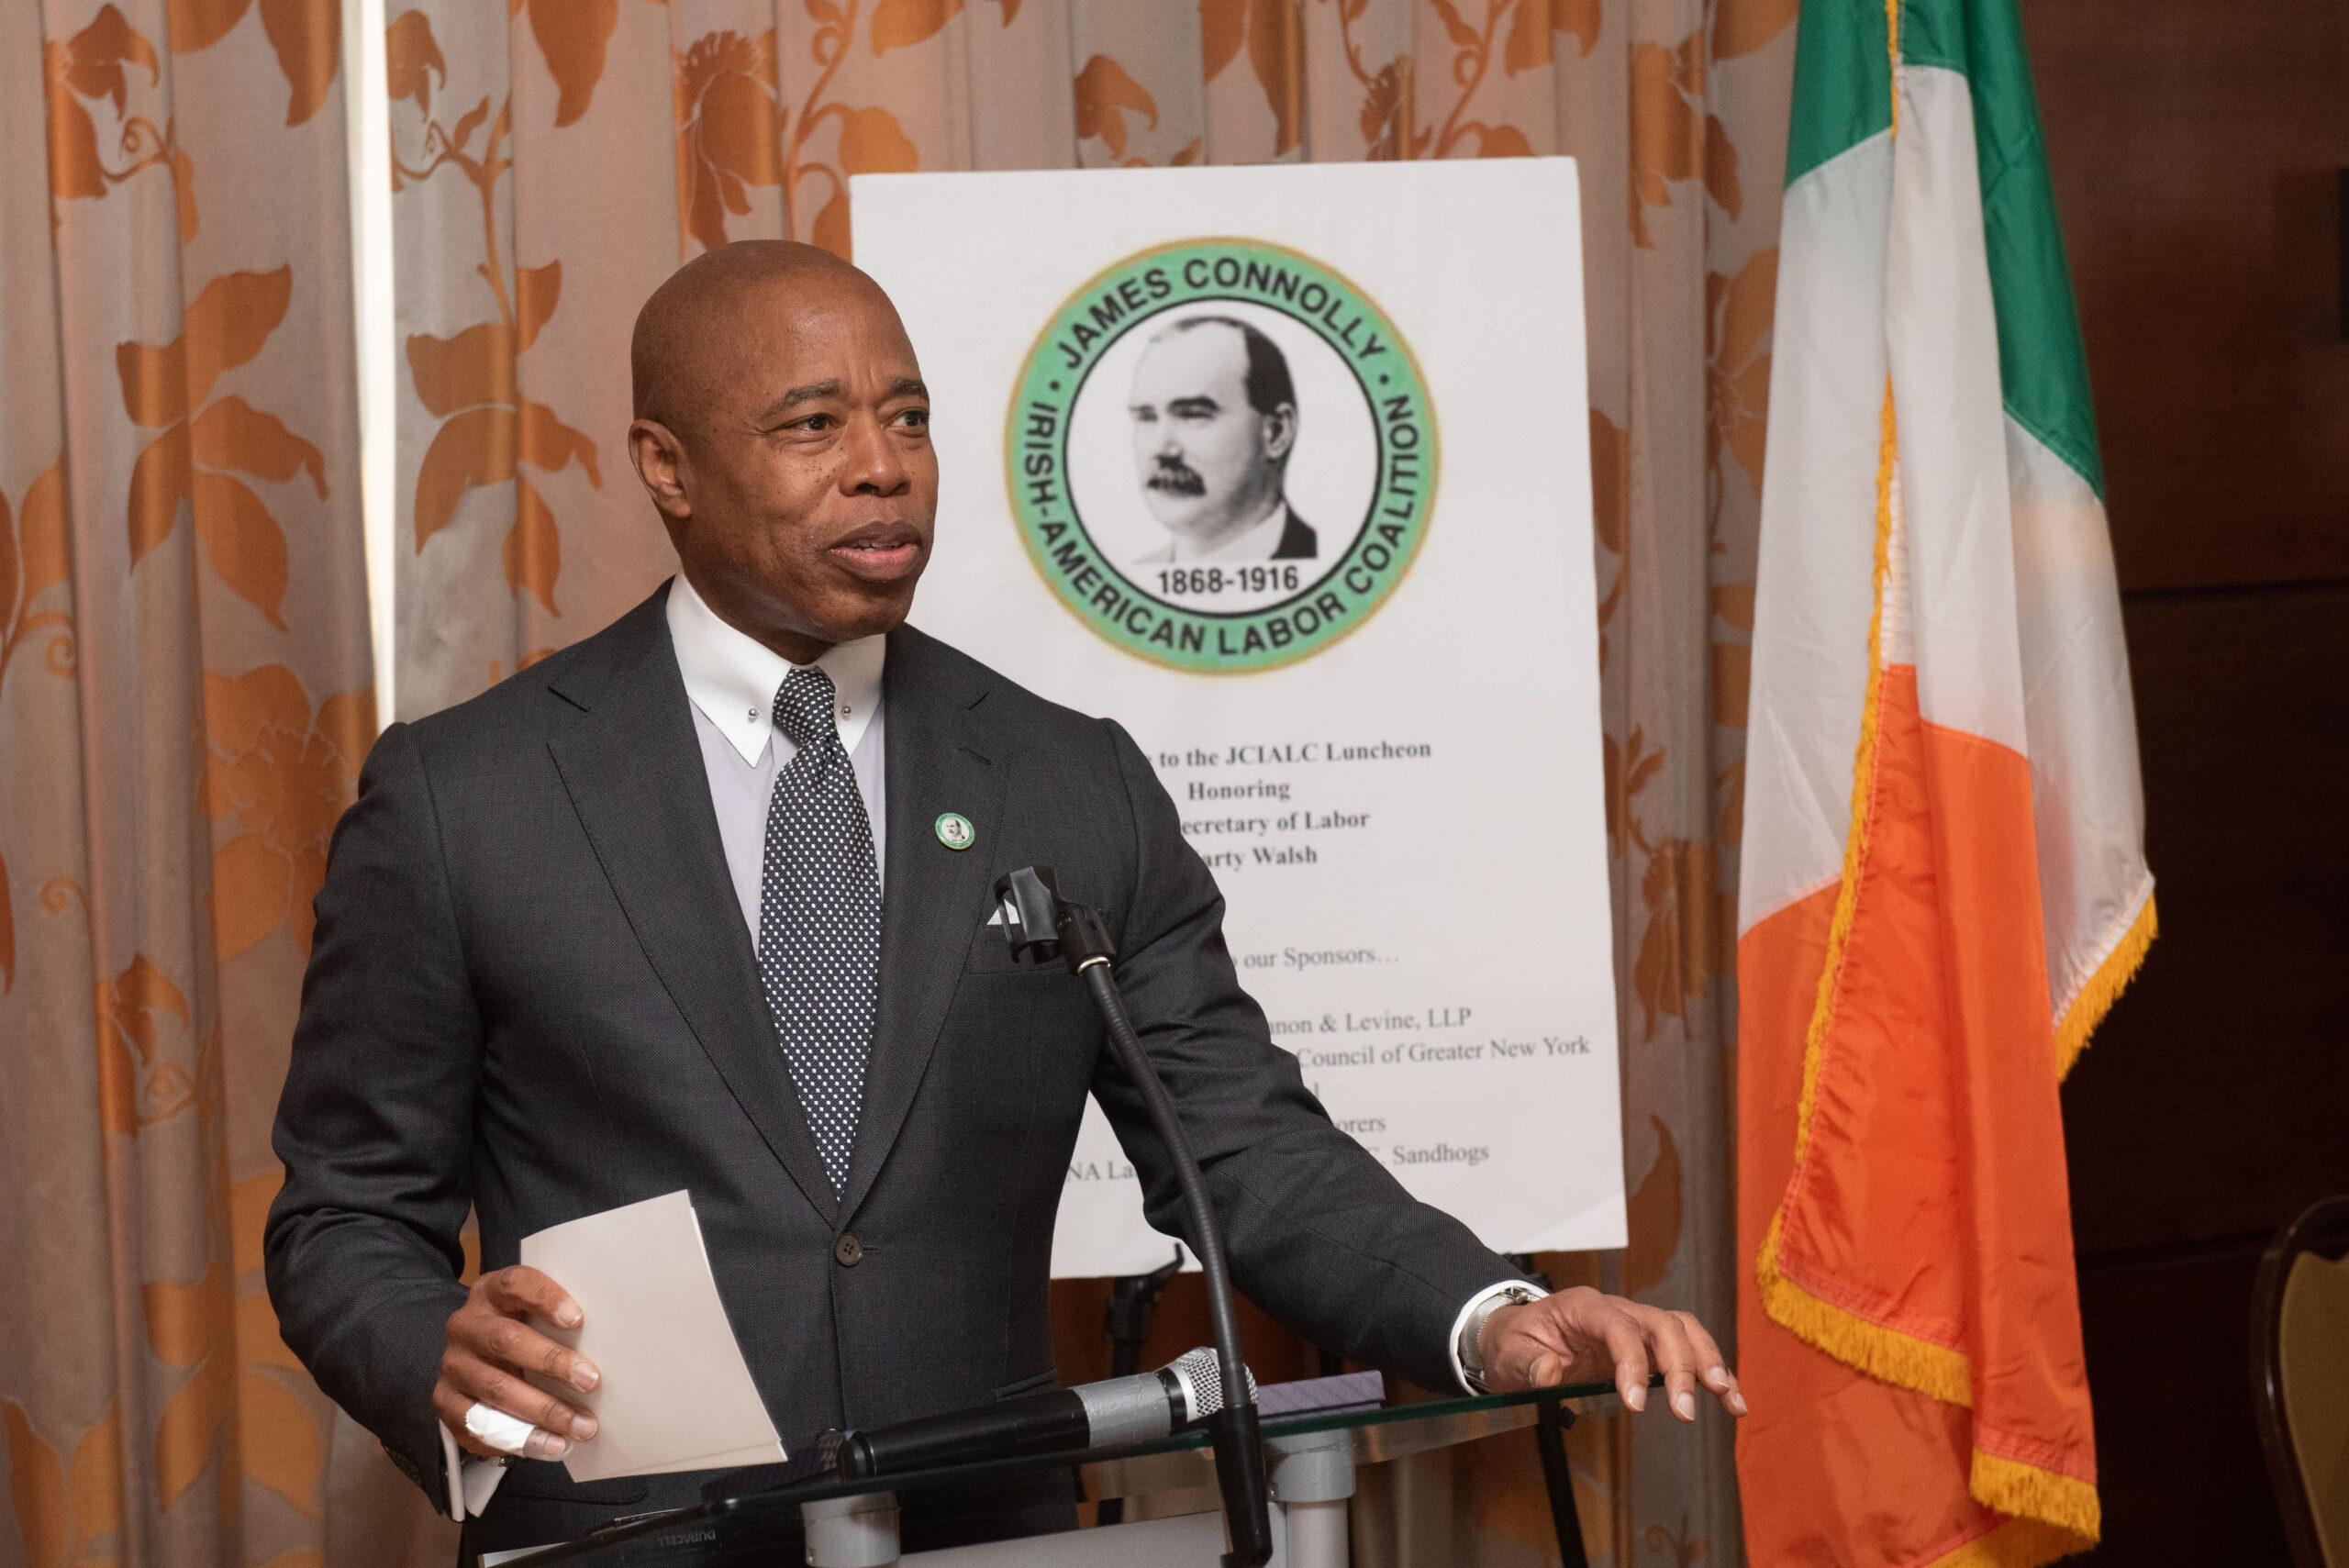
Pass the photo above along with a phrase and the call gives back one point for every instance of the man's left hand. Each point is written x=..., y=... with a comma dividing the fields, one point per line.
x=1571, y=1336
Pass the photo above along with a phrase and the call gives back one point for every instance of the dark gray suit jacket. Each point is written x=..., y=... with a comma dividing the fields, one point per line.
x=1297, y=541
x=531, y=994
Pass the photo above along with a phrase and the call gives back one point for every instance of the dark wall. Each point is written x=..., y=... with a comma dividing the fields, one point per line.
x=2197, y=150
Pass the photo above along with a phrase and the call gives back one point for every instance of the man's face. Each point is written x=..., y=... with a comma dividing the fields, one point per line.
x=809, y=485
x=1210, y=464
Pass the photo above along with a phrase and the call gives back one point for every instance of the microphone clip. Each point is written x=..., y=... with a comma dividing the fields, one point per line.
x=1040, y=925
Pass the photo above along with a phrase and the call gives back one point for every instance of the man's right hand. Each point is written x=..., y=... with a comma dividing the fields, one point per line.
x=491, y=1344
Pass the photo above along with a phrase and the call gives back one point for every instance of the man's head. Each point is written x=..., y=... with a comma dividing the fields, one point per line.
x=783, y=430
x=1215, y=419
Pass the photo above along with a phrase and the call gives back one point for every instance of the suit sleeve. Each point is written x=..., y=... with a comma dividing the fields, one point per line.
x=1320, y=1235
x=376, y=1122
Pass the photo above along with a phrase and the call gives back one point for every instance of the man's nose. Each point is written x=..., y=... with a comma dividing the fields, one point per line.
x=872, y=465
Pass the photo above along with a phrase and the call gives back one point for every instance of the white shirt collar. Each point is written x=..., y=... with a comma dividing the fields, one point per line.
x=732, y=677
x=1258, y=543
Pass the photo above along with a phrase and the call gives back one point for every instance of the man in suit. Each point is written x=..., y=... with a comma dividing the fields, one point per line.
x=1214, y=413
x=679, y=907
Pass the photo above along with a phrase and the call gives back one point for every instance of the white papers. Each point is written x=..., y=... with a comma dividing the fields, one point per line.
x=675, y=1394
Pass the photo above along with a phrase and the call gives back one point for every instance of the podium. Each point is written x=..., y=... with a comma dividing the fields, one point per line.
x=1311, y=1459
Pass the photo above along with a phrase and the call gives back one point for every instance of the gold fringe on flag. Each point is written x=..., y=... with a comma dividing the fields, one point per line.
x=2104, y=987
x=1884, y=1354
x=2027, y=1491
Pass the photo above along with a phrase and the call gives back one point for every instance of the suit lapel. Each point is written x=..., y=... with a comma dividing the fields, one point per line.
x=933, y=897
x=633, y=767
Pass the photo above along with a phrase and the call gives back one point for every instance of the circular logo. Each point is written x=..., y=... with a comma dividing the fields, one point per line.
x=1222, y=455
x=954, y=831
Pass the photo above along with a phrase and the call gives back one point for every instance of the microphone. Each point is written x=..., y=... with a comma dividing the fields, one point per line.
x=1084, y=1419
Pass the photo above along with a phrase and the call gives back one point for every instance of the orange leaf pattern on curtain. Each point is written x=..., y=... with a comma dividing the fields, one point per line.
x=225, y=326
x=759, y=111
x=62, y=1514
x=163, y=370
x=470, y=379
x=92, y=64
x=1273, y=31
x=1105, y=95
x=306, y=34
x=901, y=23
x=728, y=131
x=36, y=555
x=1737, y=390
x=278, y=778
x=574, y=36
x=1672, y=138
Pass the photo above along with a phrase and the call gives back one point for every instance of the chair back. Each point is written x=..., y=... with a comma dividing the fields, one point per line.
x=2299, y=1346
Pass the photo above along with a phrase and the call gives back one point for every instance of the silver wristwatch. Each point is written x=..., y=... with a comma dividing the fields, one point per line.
x=1472, y=1333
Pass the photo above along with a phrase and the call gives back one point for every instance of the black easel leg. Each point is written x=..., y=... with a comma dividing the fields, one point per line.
x=1550, y=1436
x=1125, y=1323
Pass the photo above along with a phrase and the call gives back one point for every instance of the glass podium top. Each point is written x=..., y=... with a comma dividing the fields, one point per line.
x=1179, y=1462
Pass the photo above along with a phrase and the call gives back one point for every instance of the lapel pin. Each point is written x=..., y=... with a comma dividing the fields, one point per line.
x=954, y=831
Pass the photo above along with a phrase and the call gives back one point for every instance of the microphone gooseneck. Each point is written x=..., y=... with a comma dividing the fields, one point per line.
x=1041, y=925
x=1238, y=1443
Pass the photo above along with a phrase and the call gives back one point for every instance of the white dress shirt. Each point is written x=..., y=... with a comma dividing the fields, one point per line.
x=732, y=679
x=1256, y=542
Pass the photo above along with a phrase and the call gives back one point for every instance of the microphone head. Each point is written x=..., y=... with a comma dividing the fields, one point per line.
x=1199, y=1375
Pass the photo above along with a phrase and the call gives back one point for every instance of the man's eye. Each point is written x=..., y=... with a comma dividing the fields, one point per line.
x=918, y=418
x=816, y=422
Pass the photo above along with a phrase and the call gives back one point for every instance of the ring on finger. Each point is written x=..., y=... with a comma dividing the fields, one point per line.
x=506, y=1433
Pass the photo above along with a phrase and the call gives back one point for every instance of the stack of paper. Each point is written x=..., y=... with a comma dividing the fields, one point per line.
x=675, y=1393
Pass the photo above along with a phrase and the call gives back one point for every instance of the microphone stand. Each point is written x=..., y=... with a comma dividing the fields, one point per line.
x=1124, y=1317
x=1041, y=925
x=1124, y=1321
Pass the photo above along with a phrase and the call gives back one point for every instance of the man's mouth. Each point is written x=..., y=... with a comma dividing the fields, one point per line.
x=1176, y=479
x=879, y=552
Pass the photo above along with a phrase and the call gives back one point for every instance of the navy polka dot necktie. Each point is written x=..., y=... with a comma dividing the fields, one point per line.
x=819, y=919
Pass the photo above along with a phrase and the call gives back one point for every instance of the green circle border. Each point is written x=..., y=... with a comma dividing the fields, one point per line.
x=1044, y=523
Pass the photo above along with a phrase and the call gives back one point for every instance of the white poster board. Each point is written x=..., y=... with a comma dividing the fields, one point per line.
x=1286, y=469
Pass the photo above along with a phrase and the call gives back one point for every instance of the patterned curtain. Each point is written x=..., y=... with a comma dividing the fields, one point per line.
x=184, y=699
x=175, y=330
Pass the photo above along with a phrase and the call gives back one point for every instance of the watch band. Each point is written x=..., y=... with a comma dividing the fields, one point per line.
x=1472, y=1333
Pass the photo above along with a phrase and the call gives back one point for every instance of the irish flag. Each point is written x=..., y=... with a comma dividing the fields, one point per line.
x=1943, y=884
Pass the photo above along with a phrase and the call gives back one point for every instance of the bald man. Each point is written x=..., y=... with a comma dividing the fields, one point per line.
x=702, y=902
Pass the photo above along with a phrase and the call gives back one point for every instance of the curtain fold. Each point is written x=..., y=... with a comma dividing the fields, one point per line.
x=184, y=700
x=183, y=682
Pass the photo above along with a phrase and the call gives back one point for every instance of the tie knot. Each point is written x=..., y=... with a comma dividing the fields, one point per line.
x=802, y=706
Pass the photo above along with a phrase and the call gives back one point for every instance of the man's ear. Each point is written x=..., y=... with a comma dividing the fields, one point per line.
x=1280, y=432
x=661, y=464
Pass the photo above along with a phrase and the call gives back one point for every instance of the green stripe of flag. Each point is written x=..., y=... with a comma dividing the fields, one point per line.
x=1843, y=81
x=2043, y=366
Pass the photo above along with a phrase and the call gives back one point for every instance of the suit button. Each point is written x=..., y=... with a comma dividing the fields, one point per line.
x=848, y=1250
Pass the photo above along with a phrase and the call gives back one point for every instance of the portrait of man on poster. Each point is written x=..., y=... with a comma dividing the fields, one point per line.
x=1215, y=422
